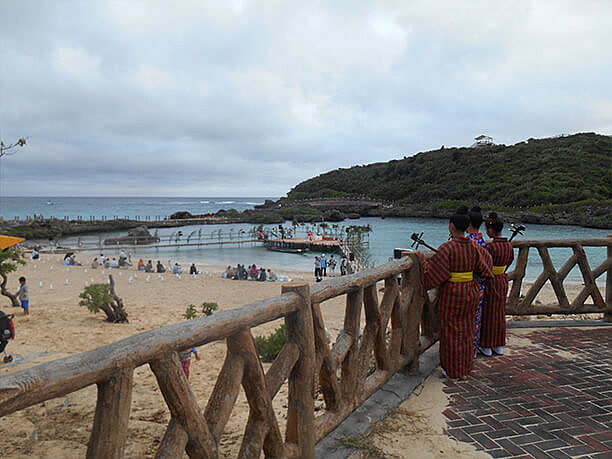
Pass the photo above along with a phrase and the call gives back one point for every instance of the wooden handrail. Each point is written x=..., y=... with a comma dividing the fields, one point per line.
x=520, y=303
x=60, y=377
x=585, y=242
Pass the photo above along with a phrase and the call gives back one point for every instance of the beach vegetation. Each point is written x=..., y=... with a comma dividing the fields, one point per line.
x=102, y=297
x=190, y=312
x=268, y=347
x=208, y=308
x=9, y=260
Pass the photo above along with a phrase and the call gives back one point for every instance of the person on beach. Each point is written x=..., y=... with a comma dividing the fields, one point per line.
x=475, y=235
x=317, y=269
x=493, y=328
x=323, y=266
x=94, y=263
x=332, y=266
x=149, y=267
x=452, y=269
x=271, y=275
x=261, y=275
x=23, y=294
x=114, y=263
x=160, y=268
x=343, y=264
x=35, y=254
x=101, y=259
x=193, y=269
x=141, y=265
x=122, y=259
x=185, y=358
x=176, y=269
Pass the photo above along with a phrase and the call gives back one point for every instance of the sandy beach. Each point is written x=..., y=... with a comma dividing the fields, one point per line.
x=58, y=327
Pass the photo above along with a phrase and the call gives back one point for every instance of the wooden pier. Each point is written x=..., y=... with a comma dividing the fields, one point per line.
x=303, y=245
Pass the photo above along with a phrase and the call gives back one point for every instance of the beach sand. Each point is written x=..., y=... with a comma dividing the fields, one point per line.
x=58, y=327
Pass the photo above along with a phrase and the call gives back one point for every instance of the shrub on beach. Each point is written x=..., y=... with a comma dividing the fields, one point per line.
x=269, y=347
x=190, y=312
x=209, y=308
x=102, y=297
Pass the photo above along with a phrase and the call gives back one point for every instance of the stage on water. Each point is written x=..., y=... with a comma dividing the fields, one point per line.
x=301, y=245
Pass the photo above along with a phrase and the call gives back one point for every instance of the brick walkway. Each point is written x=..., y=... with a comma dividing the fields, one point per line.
x=536, y=402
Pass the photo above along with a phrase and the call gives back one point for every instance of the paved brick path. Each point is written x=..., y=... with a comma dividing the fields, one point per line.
x=537, y=403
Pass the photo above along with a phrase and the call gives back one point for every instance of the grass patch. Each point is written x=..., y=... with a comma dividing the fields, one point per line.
x=268, y=347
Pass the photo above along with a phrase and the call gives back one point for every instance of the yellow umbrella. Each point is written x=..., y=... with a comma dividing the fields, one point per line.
x=6, y=242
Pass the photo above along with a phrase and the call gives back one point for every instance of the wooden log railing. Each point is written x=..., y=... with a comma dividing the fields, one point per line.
x=346, y=372
x=520, y=303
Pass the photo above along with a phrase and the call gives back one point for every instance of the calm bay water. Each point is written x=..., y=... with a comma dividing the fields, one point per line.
x=386, y=234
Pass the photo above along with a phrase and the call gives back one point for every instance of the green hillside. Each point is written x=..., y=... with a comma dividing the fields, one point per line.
x=537, y=172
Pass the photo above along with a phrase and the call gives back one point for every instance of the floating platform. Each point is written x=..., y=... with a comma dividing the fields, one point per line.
x=299, y=245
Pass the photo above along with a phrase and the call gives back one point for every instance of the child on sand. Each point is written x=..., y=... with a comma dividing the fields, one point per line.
x=24, y=295
x=185, y=358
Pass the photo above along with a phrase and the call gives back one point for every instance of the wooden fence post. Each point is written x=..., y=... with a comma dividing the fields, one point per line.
x=300, y=413
x=109, y=431
x=183, y=406
x=608, y=315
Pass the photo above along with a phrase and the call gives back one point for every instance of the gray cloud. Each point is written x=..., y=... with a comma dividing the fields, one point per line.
x=251, y=97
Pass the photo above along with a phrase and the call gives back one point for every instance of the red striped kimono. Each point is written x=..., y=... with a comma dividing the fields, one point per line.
x=458, y=301
x=493, y=325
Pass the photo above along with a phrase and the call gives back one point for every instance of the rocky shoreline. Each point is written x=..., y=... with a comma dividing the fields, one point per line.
x=589, y=214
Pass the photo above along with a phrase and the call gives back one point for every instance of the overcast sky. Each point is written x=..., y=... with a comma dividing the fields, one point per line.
x=248, y=98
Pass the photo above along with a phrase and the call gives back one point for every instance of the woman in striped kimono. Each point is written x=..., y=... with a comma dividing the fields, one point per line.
x=493, y=329
x=475, y=235
x=452, y=268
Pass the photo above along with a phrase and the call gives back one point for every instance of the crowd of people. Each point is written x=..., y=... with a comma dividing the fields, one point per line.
x=471, y=275
x=251, y=273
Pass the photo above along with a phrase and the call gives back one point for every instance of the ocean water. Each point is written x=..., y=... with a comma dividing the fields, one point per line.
x=98, y=207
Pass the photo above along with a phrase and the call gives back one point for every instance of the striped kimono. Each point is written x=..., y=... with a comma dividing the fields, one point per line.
x=493, y=328
x=457, y=301
x=478, y=239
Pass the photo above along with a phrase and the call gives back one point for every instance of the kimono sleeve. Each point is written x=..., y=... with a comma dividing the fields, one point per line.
x=484, y=264
x=437, y=268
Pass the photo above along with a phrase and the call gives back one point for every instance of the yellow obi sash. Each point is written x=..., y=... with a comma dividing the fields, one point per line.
x=467, y=276
x=498, y=270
